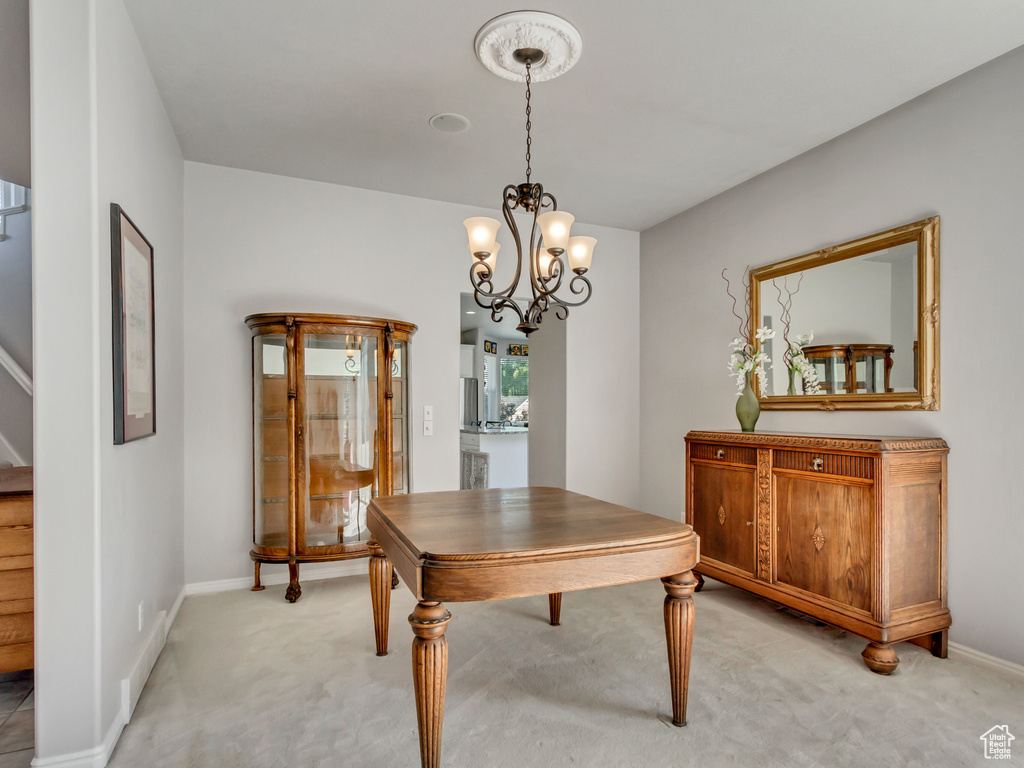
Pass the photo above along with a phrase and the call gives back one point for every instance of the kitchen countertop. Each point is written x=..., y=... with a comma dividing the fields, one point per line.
x=495, y=430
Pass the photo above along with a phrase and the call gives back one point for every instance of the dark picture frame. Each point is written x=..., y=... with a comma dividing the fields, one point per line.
x=134, y=330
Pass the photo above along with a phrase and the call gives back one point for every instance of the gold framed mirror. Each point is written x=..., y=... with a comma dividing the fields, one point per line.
x=872, y=307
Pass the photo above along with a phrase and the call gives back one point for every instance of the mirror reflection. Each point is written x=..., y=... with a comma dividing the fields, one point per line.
x=850, y=325
x=856, y=325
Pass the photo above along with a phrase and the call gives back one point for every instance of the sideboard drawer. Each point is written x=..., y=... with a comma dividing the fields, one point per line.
x=843, y=465
x=728, y=454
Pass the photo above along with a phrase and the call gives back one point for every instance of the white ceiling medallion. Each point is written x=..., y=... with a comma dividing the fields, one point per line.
x=499, y=38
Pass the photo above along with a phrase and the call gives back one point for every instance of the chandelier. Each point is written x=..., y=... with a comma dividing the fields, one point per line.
x=528, y=46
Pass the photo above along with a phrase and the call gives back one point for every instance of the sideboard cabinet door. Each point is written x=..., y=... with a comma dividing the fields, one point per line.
x=825, y=535
x=723, y=505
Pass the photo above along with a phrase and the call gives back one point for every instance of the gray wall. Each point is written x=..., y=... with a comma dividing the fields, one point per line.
x=547, y=404
x=16, y=334
x=15, y=154
x=108, y=519
x=957, y=152
x=323, y=253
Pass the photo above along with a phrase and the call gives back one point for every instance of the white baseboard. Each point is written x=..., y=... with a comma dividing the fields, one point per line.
x=964, y=653
x=357, y=567
x=97, y=757
x=131, y=686
x=173, y=614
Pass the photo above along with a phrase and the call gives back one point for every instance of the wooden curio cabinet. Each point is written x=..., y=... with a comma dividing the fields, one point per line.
x=330, y=432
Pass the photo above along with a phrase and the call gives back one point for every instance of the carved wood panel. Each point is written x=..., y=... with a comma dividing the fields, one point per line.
x=764, y=514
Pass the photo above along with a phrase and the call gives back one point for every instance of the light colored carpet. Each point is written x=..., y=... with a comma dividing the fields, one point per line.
x=247, y=679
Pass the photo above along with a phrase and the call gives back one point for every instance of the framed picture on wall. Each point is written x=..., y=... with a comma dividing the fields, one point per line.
x=131, y=274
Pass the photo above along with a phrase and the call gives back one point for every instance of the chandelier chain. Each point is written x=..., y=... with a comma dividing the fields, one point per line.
x=529, y=125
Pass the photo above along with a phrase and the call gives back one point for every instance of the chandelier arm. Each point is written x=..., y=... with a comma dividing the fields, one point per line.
x=535, y=312
x=480, y=278
x=579, y=284
x=555, y=273
x=499, y=305
x=511, y=193
x=536, y=285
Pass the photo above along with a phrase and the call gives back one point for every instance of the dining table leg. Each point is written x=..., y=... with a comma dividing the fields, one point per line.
x=430, y=674
x=555, y=607
x=380, y=594
x=679, y=637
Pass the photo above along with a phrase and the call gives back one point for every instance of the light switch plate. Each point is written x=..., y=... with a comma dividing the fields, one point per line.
x=428, y=413
x=428, y=427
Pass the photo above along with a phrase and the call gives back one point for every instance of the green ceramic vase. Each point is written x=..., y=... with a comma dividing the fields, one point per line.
x=792, y=382
x=747, y=407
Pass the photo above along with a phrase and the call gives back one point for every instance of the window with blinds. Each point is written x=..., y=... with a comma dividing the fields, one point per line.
x=515, y=389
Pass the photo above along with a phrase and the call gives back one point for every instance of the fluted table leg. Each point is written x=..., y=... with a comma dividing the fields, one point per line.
x=679, y=636
x=380, y=595
x=430, y=673
x=555, y=607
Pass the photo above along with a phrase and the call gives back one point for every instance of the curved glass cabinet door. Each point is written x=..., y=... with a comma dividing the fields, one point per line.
x=341, y=450
x=270, y=433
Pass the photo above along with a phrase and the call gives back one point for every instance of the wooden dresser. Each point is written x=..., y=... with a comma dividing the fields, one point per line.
x=849, y=530
x=16, y=616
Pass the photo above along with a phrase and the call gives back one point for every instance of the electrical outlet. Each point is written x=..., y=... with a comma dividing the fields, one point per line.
x=140, y=617
x=428, y=428
x=428, y=413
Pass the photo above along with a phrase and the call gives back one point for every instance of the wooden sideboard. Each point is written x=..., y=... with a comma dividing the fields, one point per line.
x=16, y=612
x=849, y=530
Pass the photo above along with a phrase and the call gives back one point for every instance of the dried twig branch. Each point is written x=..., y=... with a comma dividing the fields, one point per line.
x=744, y=323
x=786, y=316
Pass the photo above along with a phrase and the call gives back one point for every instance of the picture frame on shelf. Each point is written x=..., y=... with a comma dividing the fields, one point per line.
x=134, y=334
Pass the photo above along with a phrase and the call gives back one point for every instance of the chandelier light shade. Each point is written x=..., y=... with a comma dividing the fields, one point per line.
x=581, y=251
x=513, y=46
x=482, y=233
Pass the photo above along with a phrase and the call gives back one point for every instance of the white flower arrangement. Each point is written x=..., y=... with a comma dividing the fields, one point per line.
x=801, y=366
x=745, y=359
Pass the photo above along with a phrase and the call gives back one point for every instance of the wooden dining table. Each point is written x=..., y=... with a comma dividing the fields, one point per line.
x=459, y=546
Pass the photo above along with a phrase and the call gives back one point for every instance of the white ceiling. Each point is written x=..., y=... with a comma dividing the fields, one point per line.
x=672, y=101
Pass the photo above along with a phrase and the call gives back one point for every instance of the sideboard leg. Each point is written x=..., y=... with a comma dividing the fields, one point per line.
x=430, y=674
x=880, y=658
x=555, y=607
x=294, y=591
x=381, y=573
x=257, y=587
x=394, y=578
x=938, y=644
x=679, y=637
x=700, y=582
